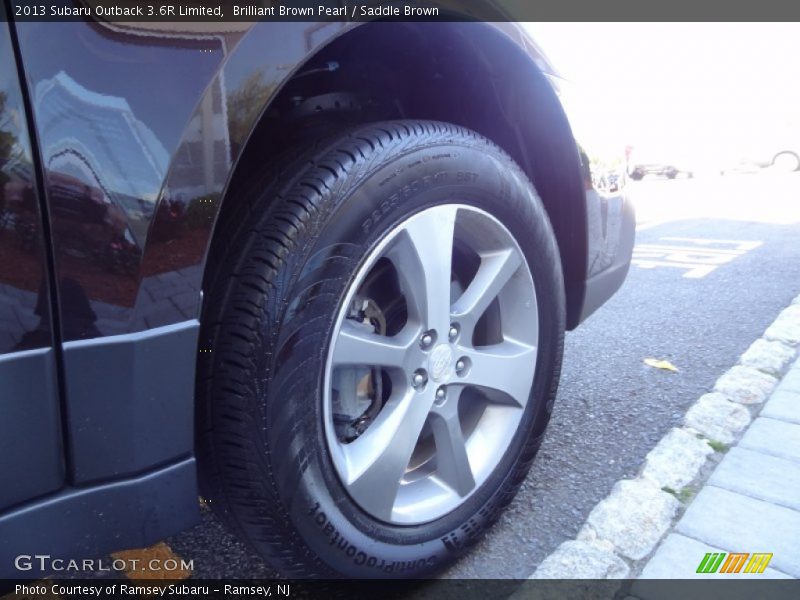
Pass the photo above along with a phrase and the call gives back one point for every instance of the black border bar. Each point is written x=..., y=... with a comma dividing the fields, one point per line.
x=188, y=11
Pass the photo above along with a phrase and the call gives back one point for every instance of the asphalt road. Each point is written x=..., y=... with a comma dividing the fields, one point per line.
x=716, y=261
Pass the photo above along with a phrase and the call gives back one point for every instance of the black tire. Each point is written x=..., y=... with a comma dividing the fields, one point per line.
x=637, y=175
x=271, y=301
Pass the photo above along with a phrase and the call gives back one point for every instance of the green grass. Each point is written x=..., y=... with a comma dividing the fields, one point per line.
x=684, y=495
x=717, y=446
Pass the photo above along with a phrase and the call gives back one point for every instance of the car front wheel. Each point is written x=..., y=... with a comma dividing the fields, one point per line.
x=386, y=328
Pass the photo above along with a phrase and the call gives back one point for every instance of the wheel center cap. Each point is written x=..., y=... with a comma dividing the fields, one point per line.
x=440, y=362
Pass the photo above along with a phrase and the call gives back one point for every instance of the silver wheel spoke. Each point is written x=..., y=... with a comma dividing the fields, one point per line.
x=507, y=368
x=452, y=461
x=355, y=345
x=422, y=256
x=495, y=271
x=377, y=460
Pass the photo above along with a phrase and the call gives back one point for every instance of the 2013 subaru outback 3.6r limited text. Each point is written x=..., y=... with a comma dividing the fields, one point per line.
x=319, y=274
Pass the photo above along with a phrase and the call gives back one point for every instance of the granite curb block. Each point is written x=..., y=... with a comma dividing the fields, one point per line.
x=633, y=518
x=768, y=357
x=716, y=418
x=745, y=385
x=625, y=527
x=786, y=328
x=583, y=560
x=676, y=460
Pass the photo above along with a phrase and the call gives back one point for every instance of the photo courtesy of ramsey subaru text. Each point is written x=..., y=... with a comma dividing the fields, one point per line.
x=318, y=274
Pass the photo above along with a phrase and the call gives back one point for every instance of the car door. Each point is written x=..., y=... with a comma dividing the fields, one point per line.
x=31, y=448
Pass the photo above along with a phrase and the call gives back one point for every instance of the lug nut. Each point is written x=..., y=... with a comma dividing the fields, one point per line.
x=428, y=339
x=441, y=394
x=419, y=379
x=462, y=366
x=453, y=333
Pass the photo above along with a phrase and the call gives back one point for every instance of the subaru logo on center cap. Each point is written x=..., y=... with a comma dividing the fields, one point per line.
x=439, y=362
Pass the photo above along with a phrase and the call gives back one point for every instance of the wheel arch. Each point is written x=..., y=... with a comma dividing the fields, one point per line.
x=484, y=77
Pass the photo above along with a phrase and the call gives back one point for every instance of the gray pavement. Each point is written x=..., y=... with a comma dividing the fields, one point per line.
x=751, y=502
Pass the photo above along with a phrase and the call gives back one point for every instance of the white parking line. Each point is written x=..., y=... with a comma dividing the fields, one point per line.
x=697, y=256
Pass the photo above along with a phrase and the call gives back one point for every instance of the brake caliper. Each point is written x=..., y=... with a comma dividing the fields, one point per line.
x=358, y=390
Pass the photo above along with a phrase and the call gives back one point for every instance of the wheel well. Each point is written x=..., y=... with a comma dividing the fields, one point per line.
x=470, y=74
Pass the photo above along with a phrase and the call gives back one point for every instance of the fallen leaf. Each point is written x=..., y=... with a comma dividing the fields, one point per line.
x=661, y=364
x=155, y=562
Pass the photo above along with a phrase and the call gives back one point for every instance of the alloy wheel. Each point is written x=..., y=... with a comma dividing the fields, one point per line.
x=430, y=364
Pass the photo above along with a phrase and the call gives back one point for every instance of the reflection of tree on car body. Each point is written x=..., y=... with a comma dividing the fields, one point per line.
x=88, y=224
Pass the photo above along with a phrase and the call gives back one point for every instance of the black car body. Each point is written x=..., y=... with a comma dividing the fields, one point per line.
x=122, y=146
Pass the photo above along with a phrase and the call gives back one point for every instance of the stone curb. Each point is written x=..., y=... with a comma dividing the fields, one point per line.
x=625, y=527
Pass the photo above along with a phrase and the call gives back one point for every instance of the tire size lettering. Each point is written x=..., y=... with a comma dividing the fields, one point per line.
x=405, y=192
x=466, y=177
